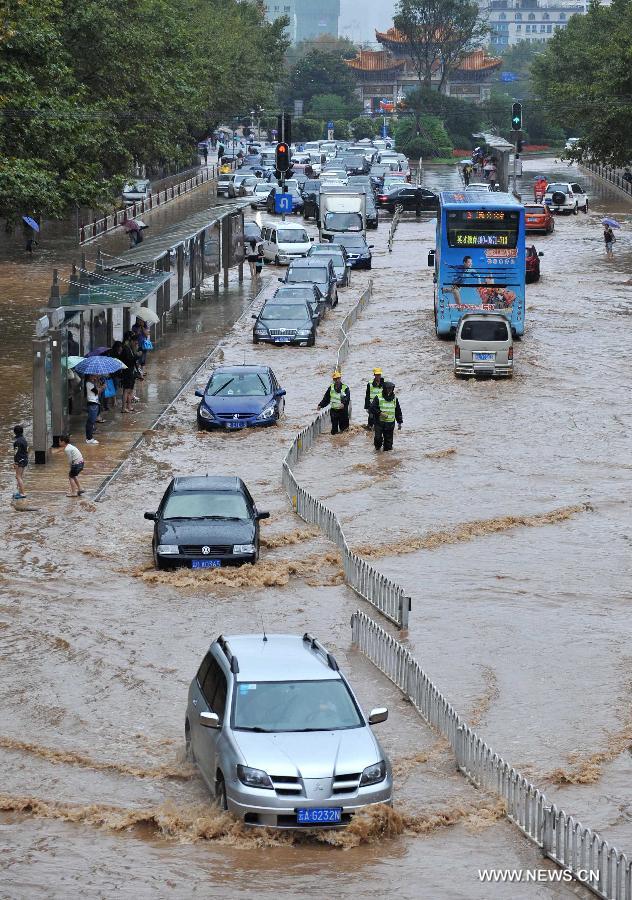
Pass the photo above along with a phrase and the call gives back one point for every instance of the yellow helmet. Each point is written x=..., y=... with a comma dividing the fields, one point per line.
x=377, y=371
x=337, y=374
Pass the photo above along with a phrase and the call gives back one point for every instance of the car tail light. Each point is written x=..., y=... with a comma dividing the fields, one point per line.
x=382, y=197
x=510, y=353
x=457, y=351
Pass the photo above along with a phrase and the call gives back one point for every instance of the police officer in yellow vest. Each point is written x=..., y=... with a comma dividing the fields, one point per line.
x=373, y=390
x=337, y=397
x=386, y=411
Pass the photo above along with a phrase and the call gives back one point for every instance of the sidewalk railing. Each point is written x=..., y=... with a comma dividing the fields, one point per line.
x=98, y=227
x=610, y=174
x=378, y=590
x=579, y=850
x=396, y=217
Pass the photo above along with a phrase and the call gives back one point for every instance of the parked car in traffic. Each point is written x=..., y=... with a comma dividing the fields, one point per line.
x=279, y=737
x=301, y=292
x=224, y=180
x=242, y=185
x=338, y=256
x=310, y=191
x=358, y=251
x=205, y=522
x=139, y=189
x=483, y=345
x=317, y=270
x=567, y=197
x=538, y=217
x=284, y=242
x=239, y=397
x=532, y=262
x=408, y=197
x=285, y=323
x=260, y=194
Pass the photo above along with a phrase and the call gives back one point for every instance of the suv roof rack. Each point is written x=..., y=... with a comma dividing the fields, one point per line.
x=318, y=648
x=222, y=643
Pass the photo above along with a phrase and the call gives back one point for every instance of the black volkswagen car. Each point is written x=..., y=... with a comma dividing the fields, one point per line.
x=285, y=323
x=358, y=251
x=205, y=522
x=302, y=292
x=318, y=271
x=409, y=197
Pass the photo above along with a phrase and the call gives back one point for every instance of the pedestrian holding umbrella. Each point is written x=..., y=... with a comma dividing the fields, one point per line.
x=31, y=227
x=611, y=222
x=31, y=223
x=99, y=365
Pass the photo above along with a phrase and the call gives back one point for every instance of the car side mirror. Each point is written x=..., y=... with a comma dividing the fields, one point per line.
x=377, y=715
x=280, y=279
x=280, y=393
x=254, y=315
x=431, y=257
x=312, y=239
x=263, y=515
x=371, y=246
x=540, y=253
x=209, y=720
x=151, y=516
x=199, y=393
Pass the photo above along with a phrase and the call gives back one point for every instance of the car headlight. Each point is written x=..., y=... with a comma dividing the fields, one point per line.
x=165, y=549
x=205, y=413
x=373, y=774
x=304, y=332
x=269, y=411
x=260, y=329
x=244, y=548
x=254, y=777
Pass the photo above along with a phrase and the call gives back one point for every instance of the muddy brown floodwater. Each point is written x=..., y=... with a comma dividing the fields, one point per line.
x=502, y=512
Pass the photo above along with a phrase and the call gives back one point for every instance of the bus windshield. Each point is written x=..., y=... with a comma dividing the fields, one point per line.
x=479, y=259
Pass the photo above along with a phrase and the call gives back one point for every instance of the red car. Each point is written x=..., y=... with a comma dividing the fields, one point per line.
x=533, y=264
x=538, y=217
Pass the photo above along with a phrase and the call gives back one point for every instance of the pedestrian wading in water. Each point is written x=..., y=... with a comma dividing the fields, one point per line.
x=337, y=397
x=75, y=460
x=20, y=460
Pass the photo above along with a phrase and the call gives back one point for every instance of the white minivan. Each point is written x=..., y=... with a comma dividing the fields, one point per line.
x=284, y=242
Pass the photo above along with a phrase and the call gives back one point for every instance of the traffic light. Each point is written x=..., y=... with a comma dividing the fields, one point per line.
x=284, y=127
x=283, y=156
x=516, y=117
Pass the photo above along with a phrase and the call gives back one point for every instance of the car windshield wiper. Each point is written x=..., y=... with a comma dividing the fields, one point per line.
x=221, y=388
x=257, y=728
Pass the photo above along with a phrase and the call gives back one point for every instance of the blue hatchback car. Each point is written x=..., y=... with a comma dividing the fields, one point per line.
x=240, y=397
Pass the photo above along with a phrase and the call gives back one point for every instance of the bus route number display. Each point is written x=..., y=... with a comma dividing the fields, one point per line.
x=482, y=228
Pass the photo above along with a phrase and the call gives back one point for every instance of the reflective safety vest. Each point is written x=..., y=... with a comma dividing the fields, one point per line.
x=387, y=409
x=335, y=397
x=375, y=391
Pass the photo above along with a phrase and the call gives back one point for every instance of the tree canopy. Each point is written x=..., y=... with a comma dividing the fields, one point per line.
x=584, y=78
x=439, y=32
x=90, y=89
x=319, y=72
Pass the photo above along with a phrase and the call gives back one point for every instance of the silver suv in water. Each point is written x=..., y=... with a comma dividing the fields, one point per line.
x=483, y=345
x=279, y=737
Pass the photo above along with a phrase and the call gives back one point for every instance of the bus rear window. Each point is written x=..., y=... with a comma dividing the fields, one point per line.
x=484, y=331
x=482, y=228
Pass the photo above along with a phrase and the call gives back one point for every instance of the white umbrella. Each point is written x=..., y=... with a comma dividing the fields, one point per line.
x=146, y=314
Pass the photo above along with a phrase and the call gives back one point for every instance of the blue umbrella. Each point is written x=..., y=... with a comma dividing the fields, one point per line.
x=31, y=223
x=611, y=222
x=99, y=365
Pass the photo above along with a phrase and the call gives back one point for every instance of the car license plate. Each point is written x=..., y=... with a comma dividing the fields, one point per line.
x=483, y=357
x=235, y=424
x=316, y=816
x=282, y=340
x=206, y=563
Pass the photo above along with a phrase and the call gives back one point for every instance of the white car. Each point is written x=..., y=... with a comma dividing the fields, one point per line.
x=137, y=190
x=566, y=197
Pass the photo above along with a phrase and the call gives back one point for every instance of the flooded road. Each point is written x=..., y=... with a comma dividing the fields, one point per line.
x=519, y=619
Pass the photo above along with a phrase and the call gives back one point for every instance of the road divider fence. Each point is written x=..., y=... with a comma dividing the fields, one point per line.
x=396, y=217
x=374, y=587
x=584, y=853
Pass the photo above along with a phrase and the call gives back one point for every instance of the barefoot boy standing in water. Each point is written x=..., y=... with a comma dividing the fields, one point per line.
x=76, y=465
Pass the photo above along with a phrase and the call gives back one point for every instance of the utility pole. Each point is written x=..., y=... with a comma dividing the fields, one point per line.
x=283, y=173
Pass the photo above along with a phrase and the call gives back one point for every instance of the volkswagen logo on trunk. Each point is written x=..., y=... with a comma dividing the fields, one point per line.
x=206, y=550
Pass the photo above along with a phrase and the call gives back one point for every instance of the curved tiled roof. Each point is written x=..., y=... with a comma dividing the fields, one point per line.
x=375, y=61
x=474, y=61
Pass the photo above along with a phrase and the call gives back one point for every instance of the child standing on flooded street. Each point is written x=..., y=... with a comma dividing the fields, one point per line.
x=20, y=460
x=76, y=465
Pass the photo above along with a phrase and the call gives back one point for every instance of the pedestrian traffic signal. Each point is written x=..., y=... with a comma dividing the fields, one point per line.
x=516, y=117
x=282, y=156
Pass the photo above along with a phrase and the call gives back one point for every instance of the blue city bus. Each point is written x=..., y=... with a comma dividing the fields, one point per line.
x=479, y=258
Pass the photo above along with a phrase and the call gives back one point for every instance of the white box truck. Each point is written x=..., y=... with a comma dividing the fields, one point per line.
x=341, y=210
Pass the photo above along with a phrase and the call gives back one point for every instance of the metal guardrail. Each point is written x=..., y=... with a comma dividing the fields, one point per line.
x=579, y=850
x=374, y=587
x=399, y=209
x=610, y=175
x=98, y=227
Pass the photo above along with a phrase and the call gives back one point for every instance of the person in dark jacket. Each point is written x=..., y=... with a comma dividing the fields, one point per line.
x=373, y=389
x=386, y=411
x=337, y=397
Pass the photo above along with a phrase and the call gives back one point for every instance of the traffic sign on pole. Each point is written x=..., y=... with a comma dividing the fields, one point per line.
x=283, y=203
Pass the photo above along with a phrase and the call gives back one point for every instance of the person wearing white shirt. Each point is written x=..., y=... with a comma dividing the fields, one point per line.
x=76, y=465
x=93, y=392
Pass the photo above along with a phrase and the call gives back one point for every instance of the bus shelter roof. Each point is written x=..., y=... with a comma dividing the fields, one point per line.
x=111, y=288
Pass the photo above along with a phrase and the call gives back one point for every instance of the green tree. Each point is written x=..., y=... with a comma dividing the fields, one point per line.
x=364, y=127
x=331, y=106
x=460, y=118
x=319, y=72
x=422, y=135
x=584, y=78
x=439, y=33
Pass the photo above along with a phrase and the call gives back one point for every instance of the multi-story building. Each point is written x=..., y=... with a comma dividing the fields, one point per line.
x=535, y=21
x=315, y=18
x=386, y=76
x=274, y=9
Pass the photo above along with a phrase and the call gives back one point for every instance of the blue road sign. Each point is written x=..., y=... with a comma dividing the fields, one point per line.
x=508, y=76
x=330, y=126
x=283, y=203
